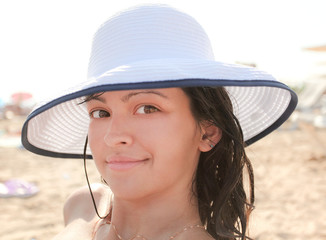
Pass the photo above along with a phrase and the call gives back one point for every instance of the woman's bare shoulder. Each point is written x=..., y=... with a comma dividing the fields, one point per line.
x=79, y=204
x=79, y=214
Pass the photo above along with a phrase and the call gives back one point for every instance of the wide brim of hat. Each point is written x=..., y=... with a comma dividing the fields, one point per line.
x=58, y=127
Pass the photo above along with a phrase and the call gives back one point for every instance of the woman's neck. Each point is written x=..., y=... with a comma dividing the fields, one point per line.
x=155, y=217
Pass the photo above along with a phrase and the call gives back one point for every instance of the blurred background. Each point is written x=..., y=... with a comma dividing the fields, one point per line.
x=45, y=46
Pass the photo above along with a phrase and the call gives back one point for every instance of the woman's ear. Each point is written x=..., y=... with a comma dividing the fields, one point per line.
x=211, y=135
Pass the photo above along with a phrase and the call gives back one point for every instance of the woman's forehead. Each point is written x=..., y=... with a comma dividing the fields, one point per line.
x=172, y=97
x=126, y=95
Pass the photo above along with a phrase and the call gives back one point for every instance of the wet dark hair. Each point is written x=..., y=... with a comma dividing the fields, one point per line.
x=218, y=184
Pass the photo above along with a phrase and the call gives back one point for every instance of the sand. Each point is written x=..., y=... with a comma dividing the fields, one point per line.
x=290, y=180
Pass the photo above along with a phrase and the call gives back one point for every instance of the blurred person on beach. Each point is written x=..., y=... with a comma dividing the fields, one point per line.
x=167, y=127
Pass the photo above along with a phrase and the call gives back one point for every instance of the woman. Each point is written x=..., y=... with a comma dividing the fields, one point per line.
x=166, y=126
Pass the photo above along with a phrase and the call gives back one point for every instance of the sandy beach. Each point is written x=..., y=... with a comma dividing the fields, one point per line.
x=290, y=185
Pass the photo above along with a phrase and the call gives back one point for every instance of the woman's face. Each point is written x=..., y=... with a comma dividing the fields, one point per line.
x=144, y=142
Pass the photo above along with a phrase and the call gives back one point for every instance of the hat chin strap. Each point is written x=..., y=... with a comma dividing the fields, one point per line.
x=89, y=186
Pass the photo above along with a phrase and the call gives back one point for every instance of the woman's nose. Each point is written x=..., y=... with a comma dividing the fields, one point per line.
x=118, y=133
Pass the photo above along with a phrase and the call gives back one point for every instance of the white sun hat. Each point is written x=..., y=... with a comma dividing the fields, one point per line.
x=155, y=46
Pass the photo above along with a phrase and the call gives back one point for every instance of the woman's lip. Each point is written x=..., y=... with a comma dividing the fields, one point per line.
x=123, y=163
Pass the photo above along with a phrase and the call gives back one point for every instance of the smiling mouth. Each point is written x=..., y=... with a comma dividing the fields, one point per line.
x=124, y=164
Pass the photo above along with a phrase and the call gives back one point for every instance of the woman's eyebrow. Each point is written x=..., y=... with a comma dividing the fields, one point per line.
x=132, y=94
x=97, y=98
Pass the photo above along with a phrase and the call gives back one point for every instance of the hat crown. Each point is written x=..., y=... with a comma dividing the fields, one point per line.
x=145, y=33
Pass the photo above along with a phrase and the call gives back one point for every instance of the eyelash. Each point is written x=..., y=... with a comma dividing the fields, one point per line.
x=91, y=114
x=151, y=106
x=107, y=114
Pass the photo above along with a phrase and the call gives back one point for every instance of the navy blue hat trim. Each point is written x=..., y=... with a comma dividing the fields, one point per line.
x=159, y=84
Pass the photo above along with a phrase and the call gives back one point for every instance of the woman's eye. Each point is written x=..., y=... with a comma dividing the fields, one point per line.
x=146, y=109
x=99, y=114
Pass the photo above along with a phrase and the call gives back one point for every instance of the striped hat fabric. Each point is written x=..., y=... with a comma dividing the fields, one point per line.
x=155, y=46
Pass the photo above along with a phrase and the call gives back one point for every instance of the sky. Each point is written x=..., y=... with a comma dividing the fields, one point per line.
x=45, y=45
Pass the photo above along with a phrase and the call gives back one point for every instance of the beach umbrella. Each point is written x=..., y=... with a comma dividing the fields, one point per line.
x=19, y=97
x=321, y=48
